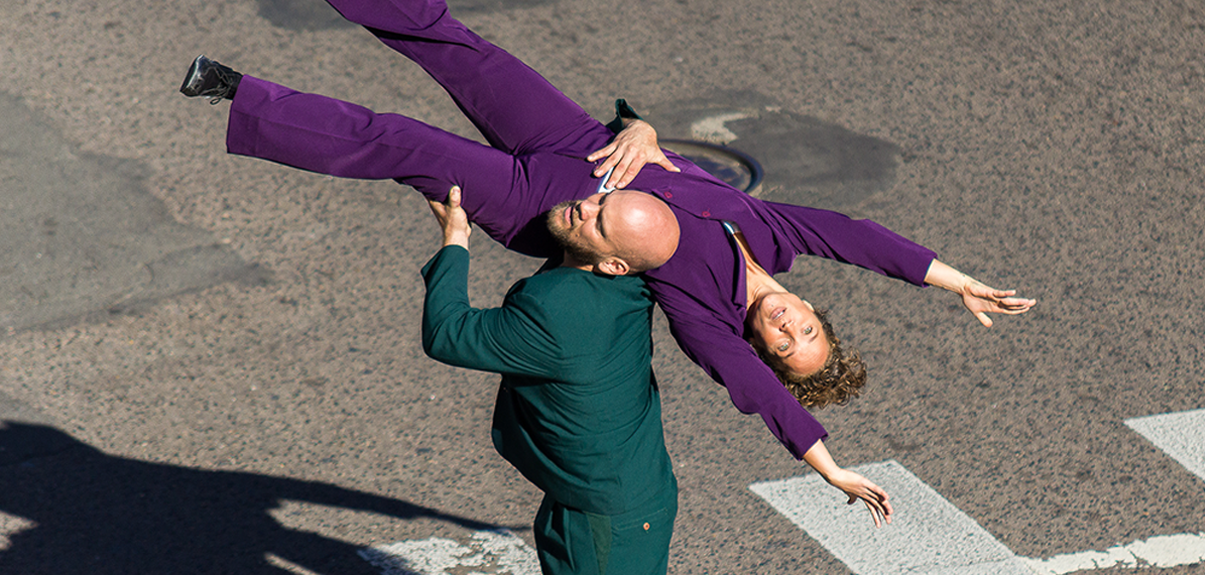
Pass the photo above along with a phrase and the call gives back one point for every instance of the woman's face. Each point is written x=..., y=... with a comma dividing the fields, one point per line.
x=787, y=328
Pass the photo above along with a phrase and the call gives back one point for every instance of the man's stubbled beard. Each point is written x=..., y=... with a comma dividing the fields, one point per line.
x=560, y=232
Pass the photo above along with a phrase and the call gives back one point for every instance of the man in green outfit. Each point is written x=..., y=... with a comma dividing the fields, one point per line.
x=578, y=412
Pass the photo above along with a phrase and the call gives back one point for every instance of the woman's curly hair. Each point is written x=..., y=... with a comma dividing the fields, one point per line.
x=840, y=380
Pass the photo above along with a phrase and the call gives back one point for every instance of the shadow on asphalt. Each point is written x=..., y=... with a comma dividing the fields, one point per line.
x=97, y=514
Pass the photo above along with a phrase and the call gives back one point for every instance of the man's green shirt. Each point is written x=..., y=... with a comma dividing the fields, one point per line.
x=578, y=412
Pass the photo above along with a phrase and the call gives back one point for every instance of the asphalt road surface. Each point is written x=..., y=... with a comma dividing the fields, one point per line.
x=211, y=364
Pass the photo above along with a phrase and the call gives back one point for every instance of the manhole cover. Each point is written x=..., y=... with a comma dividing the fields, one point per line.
x=733, y=167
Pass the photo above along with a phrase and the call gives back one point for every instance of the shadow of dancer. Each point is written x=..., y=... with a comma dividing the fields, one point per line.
x=96, y=514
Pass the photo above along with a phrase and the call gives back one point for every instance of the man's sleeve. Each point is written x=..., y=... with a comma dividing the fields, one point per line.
x=731, y=362
x=508, y=339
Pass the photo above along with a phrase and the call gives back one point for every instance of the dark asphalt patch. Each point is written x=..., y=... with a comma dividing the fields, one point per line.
x=83, y=236
x=299, y=15
x=806, y=161
x=468, y=6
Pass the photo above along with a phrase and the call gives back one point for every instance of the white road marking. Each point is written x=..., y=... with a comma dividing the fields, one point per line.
x=489, y=552
x=12, y=525
x=927, y=533
x=282, y=563
x=713, y=129
x=1163, y=551
x=1180, y=435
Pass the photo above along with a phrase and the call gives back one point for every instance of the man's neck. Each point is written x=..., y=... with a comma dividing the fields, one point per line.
x=568, y=261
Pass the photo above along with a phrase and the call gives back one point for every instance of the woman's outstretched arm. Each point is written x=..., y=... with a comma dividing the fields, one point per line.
x=852, y=484
x=977, y=297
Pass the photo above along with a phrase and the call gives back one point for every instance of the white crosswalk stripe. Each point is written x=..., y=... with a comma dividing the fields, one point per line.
x=1180, y=435
x=928, y=534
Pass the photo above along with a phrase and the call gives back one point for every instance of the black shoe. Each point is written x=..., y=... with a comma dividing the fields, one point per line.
x=208, y=78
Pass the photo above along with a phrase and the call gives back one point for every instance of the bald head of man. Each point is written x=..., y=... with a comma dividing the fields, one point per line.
x=616, y=233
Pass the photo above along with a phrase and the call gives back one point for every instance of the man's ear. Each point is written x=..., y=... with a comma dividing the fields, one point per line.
x=612, y=266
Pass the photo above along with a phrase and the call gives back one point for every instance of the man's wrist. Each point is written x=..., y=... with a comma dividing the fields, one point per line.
x=456, y=238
